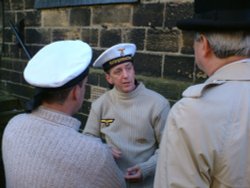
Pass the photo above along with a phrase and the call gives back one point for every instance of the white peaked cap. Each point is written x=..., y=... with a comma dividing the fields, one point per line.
x=57, y=63
x=115, y=52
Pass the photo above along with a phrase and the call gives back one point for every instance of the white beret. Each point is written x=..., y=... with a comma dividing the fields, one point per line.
x=58, y=63
x=115, y=55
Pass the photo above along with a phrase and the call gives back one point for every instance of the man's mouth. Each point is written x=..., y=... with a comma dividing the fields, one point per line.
x=126, y=83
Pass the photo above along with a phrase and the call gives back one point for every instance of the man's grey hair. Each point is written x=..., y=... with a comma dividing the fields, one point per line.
x=226, y=44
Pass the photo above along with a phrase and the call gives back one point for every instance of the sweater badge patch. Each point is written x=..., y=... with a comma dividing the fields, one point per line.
x=106, y=122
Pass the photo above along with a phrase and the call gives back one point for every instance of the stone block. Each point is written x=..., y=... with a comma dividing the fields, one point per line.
x=25, y=91
x=90, y=36
x=8, y=35
x=33, y=18
x=5, y=74
x=170, y=89
x=102, y=81
x=20, y=18
x=96, y=53
x=5, y=64
x=34, y=48
x=110, y=37
x=148, y=64
x=38, y=36
x=179, y=68
x=112, y=15
x=199, y=75
x=8, y=102
x=97, y=78
x=2, y=83
x=18, y=65
x=176, y=11
x=148, y=15
x=136, y=36
x=5, y=51
x=87, y=91
x=93, y=79
x=9, y=16
x=13, y=50
x=29, y=4
x=63, y=34
x=16, y=5
x=80, y=17
x=188, y=40
x=15, y=76
x=55, y=18
x=162, y=40
x=6, y=5
x=85, y=107
x=96, y=92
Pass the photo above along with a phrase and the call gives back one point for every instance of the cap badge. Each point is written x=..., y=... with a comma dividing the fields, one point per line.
x=106, y=122
x=121, y=51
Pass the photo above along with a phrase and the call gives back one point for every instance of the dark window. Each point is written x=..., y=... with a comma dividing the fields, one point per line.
x=65, y=3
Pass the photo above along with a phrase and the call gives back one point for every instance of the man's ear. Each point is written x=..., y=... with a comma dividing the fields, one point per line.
x=207, y=50
x=74, y=93
x=108, y=78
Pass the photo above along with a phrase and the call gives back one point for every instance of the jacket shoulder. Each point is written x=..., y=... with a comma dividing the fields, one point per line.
x=196, y=91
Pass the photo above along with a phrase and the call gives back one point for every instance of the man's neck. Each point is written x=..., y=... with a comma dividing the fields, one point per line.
x=58, y=107
x=217, y=63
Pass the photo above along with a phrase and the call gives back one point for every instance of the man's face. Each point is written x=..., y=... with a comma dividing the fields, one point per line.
x=80, y=93
x=198, y=52
x=83, y=88
x=122, y=77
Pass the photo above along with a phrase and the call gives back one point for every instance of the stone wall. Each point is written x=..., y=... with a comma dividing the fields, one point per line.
x=164, y=59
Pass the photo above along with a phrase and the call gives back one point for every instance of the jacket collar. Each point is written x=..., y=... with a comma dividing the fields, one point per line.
x=237, y=71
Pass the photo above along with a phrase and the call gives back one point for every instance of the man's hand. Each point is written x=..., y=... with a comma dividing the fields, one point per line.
x=133, y=174
x=115, y=152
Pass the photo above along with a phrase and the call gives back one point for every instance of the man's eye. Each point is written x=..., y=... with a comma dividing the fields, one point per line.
x=129, y=68
x=117, y=72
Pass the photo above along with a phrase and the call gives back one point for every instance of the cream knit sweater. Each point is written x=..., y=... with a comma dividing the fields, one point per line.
x=132, y=122
x=43, y=149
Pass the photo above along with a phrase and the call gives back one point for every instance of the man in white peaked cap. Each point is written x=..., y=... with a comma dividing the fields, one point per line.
x=129, y=118
x=206, y=142
x=43, y=148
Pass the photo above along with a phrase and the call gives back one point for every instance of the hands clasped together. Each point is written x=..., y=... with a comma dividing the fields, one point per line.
x=133, y=174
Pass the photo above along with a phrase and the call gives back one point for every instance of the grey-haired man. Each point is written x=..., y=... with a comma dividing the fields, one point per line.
x=206, y=142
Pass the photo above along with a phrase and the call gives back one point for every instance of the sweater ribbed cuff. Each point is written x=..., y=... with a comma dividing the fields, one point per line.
x=147, y=169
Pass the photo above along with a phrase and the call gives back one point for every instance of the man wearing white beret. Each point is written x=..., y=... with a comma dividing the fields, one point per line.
x=129, y=117
x=43, y=148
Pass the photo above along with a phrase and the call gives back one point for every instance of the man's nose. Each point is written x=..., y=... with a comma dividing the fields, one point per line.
x=125, y=73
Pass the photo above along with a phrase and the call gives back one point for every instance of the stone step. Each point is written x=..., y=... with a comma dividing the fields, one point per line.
x=8, y=102
x=9, y=107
